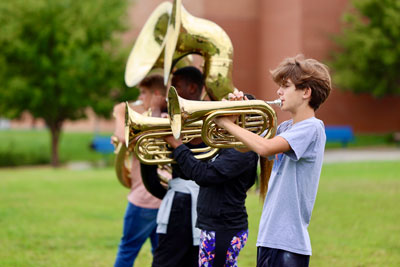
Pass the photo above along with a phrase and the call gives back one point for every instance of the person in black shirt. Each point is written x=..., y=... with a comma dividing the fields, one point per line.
x=178, y=238
x=221, y=212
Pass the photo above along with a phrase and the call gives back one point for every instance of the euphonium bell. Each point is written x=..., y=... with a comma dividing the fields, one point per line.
x=256, y=116
x=145, y=135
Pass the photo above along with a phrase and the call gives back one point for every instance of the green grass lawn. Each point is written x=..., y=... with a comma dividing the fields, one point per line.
x=74, y=217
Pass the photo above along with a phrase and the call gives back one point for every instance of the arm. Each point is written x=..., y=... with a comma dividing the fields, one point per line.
x=151, y=180
x=227, y=165
x=119, y=115
x=262, y=146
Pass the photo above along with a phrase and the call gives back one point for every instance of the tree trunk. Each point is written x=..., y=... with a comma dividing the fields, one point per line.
x=55, y=130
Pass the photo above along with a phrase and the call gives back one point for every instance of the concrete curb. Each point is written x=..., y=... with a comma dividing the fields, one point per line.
x=362, y=154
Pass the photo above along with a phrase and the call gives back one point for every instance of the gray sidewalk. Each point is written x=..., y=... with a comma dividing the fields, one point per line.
x=361, y=154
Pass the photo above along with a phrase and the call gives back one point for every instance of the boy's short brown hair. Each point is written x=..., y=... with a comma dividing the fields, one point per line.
x=154, y=82
x=305, y=73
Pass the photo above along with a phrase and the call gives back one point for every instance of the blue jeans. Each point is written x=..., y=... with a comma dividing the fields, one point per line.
x=139, y=224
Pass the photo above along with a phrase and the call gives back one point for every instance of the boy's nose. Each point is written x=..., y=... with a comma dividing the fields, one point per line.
x=279, y=91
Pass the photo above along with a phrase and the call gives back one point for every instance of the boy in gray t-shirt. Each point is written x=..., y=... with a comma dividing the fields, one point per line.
x=298, y=148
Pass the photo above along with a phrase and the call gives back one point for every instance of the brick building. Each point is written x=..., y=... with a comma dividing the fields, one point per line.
x=264, y=32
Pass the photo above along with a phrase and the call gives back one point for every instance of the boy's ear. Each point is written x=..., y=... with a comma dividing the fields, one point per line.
x=307, y=92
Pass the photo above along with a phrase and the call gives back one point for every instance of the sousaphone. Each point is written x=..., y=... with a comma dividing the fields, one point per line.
x=187, y=34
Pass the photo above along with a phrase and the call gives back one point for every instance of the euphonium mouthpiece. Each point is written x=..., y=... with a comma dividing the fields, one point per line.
x=277, y=102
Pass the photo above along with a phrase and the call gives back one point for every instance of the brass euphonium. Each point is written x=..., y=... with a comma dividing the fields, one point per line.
x=256, y=116
x=145, y=135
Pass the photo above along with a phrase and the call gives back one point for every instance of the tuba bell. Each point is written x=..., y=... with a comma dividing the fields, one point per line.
x=148, y=51
x=187, y=34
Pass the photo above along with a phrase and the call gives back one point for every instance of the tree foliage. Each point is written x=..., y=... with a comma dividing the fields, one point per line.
x=59, y=57
x=368, y=60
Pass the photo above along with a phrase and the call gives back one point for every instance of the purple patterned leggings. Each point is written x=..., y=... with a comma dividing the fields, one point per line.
x=226, y=245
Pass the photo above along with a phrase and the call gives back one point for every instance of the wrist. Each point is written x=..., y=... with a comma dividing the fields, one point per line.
x=176, y=144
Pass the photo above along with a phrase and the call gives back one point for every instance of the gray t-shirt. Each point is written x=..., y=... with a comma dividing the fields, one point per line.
x=292, y=188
